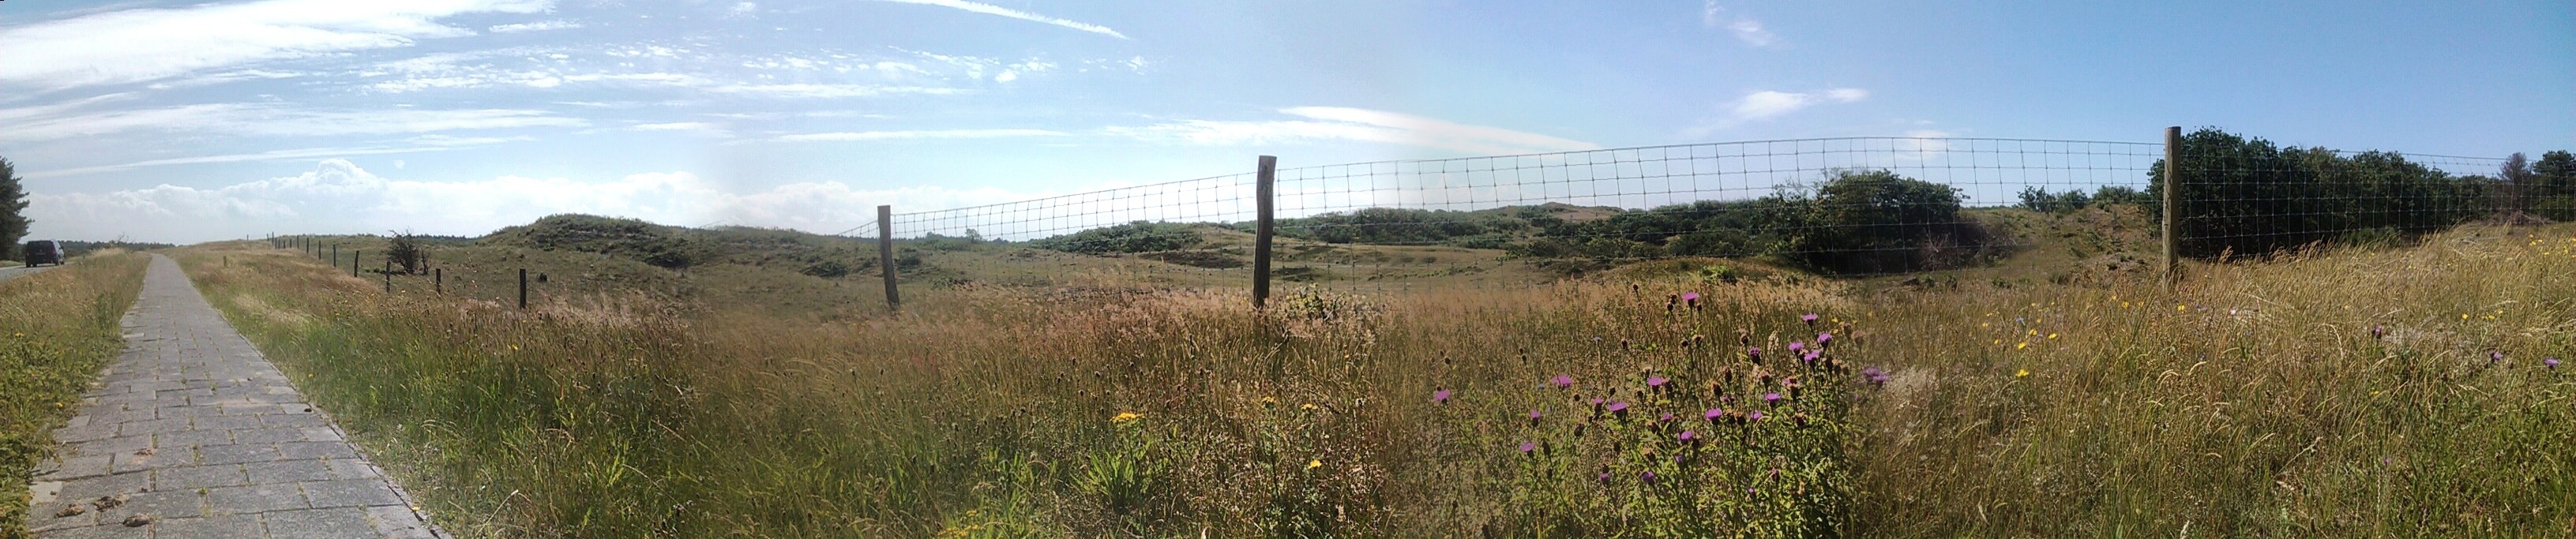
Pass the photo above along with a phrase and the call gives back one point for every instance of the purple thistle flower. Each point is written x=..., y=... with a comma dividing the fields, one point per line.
x=1596, y=401
x=1649, y=476
x=1688, y=436
x=1441, y=396
x=1874, y=375
x=1690, y=296
x=1756, y=352
x=1714, y=414
x=1823, y=338
x=1605, y=477
x=2378, y=332
x=1527, y=447
x=1618, y=407
x=2550, y=362
x=1809, y=318
x=1812, y=356
x=2495, y=355
x=1771, y=397
x=1797, y=347
x=1756, y=415
x=1668, y=416
x=1656, y=381
x=1533, y=415
x=1562, y=381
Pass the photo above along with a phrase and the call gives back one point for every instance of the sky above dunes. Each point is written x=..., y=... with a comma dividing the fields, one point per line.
x=196, y=121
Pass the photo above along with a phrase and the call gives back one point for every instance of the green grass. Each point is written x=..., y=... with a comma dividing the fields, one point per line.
x=57, y=329
x=2017, y=403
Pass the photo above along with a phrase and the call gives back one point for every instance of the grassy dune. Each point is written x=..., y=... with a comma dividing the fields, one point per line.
x=2252, y=401
x=57, y=329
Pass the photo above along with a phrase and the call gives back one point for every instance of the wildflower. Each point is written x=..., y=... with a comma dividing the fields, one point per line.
x=1124, y=417
x=1824, y=338
x=2024, y=373
x=1306, y=406
x=1874, y=375
x=2549, y=362
x=1688, y=436
x=2052, y=335
x=2021, y=345
x=2495, y=356
x=1691, y=299
x=1771, y=397
x=1527, y=447
x=1313, y=464
x=1534, y=415
x=1618, y=407
x=1656, y=381
x=1755, y=353
x=1755, y=415
x=1562, y=381
x=1797, y=346
x=1714, y=414
x=2179, y=308
x=1441, y=396
x=1649, y=476
x=1667, y=418
x=1809, y=318
x=1812, y=356
x=2377, y=332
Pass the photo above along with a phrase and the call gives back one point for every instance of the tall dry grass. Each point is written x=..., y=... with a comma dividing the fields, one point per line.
x=57, y=329
x=2262, y=407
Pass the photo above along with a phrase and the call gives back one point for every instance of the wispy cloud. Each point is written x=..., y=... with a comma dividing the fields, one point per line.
x=338, y=195
x=989, y=9
x=1767, y=104
x=1344, y=123
x=538, y=26
x=930, y=134
x=261, y=119
x=138, y=45
x=1746, y=29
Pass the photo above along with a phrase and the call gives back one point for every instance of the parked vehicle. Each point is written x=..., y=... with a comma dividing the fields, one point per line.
x=42, y=252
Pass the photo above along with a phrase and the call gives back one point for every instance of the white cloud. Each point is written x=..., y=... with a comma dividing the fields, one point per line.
x=703, y=128
x=339, y=196
x=849, y=136
x=1767, y=104
x=139, y=45
x=276, y=120
x=828, y=91
x=989, y=9
x=1746, y=29
x=1343, y=123
x=538, y=26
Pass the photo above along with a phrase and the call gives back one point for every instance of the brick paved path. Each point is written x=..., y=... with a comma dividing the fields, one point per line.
x=193, y=429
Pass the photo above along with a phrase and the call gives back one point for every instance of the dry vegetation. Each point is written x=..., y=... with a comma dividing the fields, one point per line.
x=57, y=329
x=2397, y=392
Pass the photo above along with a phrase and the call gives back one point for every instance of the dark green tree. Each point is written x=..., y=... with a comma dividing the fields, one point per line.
x=2556, y=173
x=13, y=207
x=1877, y=222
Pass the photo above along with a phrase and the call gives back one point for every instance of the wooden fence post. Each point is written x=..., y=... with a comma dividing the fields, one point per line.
x=353, y=260
x=2173, y=219
x=885, y=255
x=523, y=289
x=1261, y=231
x=438, y=280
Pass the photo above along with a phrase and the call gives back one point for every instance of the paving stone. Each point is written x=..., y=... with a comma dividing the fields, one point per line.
x=76, y=467
x=92, y=488
x=333, y=523
x=269, y=436
x=213, y=526
x=236, y=453
x=315, y=450
x=158, y=504
x=184, y=440
x=259, y=498
x=197, y=477
x=351, y=492
x=292, y=471
x=398, y=521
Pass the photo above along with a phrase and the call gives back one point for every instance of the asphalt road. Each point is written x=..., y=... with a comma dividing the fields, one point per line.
x=13, y=273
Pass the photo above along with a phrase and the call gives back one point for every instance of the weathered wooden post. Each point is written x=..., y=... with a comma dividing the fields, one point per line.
x=1262, y=191
x=523, y=289
x=885, y=255
x=2173, y=190
x=438, y=280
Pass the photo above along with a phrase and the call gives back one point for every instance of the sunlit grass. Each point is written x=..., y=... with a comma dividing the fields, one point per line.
x=2253, y=401
x=57, y=329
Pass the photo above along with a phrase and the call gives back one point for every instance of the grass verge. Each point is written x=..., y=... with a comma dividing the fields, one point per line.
x=57, y=329
x=2402, y=392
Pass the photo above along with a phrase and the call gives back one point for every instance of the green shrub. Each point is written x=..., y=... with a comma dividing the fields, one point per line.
x=1136, y=237
x=2248, y=196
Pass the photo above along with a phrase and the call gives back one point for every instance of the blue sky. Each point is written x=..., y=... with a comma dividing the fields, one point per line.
x=187, y=121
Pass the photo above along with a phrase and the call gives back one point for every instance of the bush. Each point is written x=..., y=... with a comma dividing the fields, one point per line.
x=1136, y=237
x=1878, y=222
x=2248, y=196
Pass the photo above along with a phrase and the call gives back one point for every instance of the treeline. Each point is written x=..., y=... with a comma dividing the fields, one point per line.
x=2238, y=194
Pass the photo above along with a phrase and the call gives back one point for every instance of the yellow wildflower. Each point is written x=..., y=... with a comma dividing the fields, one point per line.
x=2182, y=307
x=2024, y=373
x=2052, y=335
x=1124, y=417
x=1313, y=464
x=1309, y=406
x=2022, y=345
